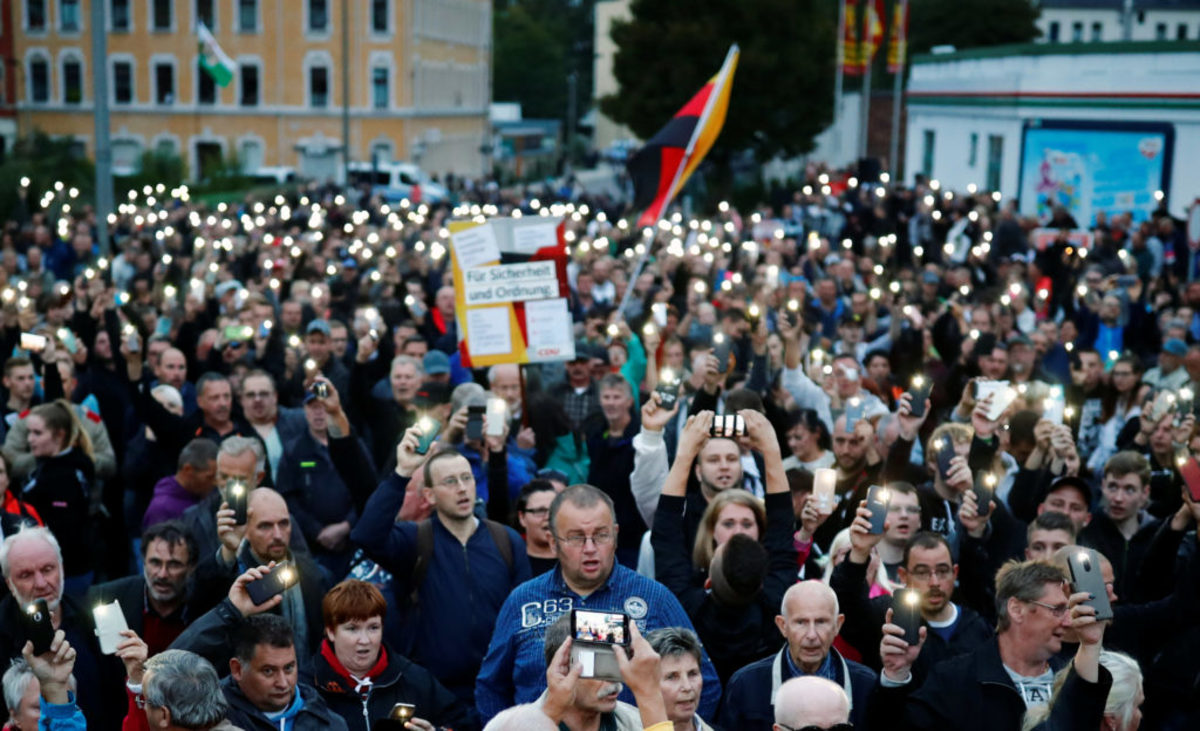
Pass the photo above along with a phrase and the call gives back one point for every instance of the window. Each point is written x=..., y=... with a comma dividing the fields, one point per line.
x=35, y=15
x=39, y=81
x=1181, y=32
x=206, y=13
x=122, y=82
x=1097, y=32
x=248, y=16
x=1053, y=34
x=164, y=83
x=380, y=10
x=68, y=15
x=72, y=71
x=318, y=86
x=249, y=77
x=929, y=137
x=119, y=15
x=380, y=98
x=973, y=150
x=206, y=88
x=1076, y=32
x=161, y=14
x=318, y=16
x=1160, y=32
x=995, y=161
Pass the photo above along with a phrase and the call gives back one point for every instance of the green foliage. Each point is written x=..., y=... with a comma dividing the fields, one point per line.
x=782, y=91
x=971, y=23
x=44, y=160
x=538, y=43
x=158, y=166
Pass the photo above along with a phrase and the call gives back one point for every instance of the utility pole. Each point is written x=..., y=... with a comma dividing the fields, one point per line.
x=837, y=78
x=346, y=92
x=1127, y=20
x=104, y=181
x=901, y=37
x=572, y=79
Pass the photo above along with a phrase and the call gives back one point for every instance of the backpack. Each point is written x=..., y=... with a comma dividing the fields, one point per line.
x=425, y=552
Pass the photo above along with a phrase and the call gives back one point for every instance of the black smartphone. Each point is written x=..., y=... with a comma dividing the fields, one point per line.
x=906, y=614
x=878, y=498
x=400, y=714
x=919, y=390
x=38, y=628
x=722, y=346
x=320, y=389
x=668, y=388
x=727, y=425
x=944, y=452
x=475, y=422
x=237, y=497
x=429, y=428
x=984, y=489
x=1084, y=564
x=278, y=581
x=854, y=413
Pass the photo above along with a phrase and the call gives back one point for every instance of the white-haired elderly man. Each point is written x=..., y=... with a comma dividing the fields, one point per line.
x=31, y=561
x=810, y=703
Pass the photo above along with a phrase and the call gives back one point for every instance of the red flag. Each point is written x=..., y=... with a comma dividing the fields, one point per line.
x=873, y=33
x=898, y=44
x=851, y=48
x=663, y=165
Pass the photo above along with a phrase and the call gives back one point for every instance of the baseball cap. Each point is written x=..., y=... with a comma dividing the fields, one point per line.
x=431, y=393
x=318, y=326
x=1020, y=339
x=1175, y=346
x=349, y=263
x=224, y=287
x=552, y=474
x=435, y=363
x=1072, y=483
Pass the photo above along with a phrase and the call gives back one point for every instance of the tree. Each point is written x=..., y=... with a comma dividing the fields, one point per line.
x=45, y=160
x=971, y=23
x=782, y=92
x=538, y=44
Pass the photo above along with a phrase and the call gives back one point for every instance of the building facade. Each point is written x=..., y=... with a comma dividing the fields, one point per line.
x=1098, y=21
x=970, y=112
x=607, y=131
x=419, y=81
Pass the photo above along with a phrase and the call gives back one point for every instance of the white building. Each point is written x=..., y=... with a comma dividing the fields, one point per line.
x=1090, y=21
x=970, y=112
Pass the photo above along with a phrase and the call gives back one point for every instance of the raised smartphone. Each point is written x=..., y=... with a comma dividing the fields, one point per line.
x=1084, y=564
x=110, y=623
x=278, y=581
x=475, y=422
x=878, y=499
x=906, y=614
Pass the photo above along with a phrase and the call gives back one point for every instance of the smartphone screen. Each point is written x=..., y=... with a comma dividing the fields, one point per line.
x=878, y=499
x=607, y=628
x=475, y=422
x=33, y=342
x=497, y=415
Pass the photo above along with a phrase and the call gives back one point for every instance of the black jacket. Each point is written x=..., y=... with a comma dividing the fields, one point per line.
x=611, y=464
x=1126, y=556
x=60, y=488
x=314, y=716
x=402, y=681
x=971, y=691
x=201, y=522
x=864, y=620
x=1079, y=704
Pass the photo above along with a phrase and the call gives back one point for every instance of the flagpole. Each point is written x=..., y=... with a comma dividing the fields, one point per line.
x=838, y=83
x=864, y=129
x=866, y=44
x=898, y=85
x=718, y=87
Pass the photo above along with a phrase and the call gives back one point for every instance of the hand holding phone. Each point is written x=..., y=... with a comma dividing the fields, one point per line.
x=727, y=425
x=595, y=637
x=667, y=388
x=1084, y=565
x=279, y=580
x=906, y=614
x=429, y=428
x=878, y=500
x=39, y=629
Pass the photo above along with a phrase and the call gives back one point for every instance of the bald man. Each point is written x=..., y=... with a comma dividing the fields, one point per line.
x=264, y=538
x=171, y=370
x=810, y=701
x=809, y=621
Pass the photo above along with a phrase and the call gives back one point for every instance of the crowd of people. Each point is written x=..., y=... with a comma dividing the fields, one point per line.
x=867, y=456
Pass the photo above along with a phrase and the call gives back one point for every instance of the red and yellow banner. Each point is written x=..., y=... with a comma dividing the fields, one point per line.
x=852, y=64
x=898, y=44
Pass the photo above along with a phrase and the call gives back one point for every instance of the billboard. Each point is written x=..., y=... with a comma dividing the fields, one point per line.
x=1088, y=167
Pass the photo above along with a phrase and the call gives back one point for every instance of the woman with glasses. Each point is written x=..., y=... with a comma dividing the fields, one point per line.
x=1120, y=404
x=533, y=521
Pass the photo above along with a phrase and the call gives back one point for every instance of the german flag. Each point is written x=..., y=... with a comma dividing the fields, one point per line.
x=662, y=166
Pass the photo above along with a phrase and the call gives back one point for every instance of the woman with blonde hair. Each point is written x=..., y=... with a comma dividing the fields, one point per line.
x=729, y=513
x=61, y=485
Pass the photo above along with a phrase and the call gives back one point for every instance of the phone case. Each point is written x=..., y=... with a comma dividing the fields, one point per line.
x=276, y=582
x=428, y=436
x=669, y=393
x=598, y=658
x=110, y=622
x=475, y=422
x=854, y=413
x=1002, y=399
x=945, y=453
x=878, y=498
x=1084, y=564
x=721, y=352
x=1191, y=477
x=1052, y=410
x=984, y=489
x=237, y=497
x=919, y=395
x=906, y=613
x=38, y=628
x=497, y=413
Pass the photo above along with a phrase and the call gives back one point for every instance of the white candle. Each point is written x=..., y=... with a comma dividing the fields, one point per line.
x=824, y=482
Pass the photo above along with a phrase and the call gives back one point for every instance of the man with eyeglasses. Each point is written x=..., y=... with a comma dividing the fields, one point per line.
x=812, y=704
x=926, y=566
x=991, y=687
x=275, y=426
x=584, y=526
x=472, y=566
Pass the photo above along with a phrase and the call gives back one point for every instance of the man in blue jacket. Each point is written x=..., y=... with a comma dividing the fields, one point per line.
x=467, y=575
x=809, y=621
x=583, y=524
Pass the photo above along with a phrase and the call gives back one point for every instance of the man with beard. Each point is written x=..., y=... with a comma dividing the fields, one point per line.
x=31, y=561
x=594, y=704
x=155, y=602
x=264, y=538
x=926, y=567
x=172, y=370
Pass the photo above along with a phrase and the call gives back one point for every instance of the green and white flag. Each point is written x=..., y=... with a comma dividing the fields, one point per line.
x=213, y=60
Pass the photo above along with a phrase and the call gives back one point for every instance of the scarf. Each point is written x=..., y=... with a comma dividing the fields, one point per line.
x=362, y=686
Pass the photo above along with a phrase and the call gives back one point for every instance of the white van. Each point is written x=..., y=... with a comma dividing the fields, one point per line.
x=393, y=181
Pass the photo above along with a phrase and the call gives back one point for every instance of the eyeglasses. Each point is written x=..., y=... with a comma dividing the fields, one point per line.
x=465, y=478
x=1058, y=610
x=835, y=727
x=922, y=573
x=536, y=511
x=579, y=540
